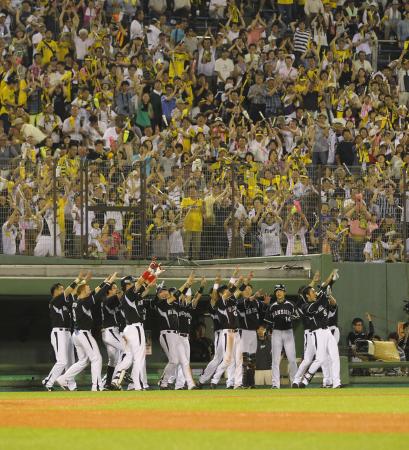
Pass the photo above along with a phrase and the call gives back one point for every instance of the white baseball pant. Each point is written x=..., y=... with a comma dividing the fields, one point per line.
x=87, y=351
x=135, y=353
x=327, y=366
x=184, y=349
x=325, y=344
x=233, y=354
x=175, y=351
x=282, y=339
x=249, y=341
x=114, y=344
x=61, y=341
x=217, y=358
x=308, y=358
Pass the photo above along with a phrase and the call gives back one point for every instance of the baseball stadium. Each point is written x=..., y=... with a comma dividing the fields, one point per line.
x=204, y=224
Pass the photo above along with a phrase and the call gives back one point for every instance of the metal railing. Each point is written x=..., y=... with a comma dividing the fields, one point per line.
x=202, y=210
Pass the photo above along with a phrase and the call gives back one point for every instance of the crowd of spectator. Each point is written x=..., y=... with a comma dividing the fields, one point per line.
x=223, y=128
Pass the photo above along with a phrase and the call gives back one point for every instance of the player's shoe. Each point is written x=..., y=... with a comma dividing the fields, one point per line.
x=295, y=386
x=238, y=387
x=302, y=386
x=274, y=387
x=193, y=388
x=116, y=385
x=199, y=385
x=326, y=386
x=62, y=383
x=213, y=386
x=163, y=388
x=47, y=388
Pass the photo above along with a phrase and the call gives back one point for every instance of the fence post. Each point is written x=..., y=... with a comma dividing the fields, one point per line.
x=142, y=172
x=319, y=208
x=404, y=222
x=233, y=246
x=82, y=206
x=55, y=207
x=86, y=179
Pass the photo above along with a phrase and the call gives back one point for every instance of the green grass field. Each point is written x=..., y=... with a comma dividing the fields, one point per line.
x=365, y=418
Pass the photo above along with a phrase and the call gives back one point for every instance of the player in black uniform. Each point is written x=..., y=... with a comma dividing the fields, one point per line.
x=279, y=317
x=187, y=304
x=218, y=342
x=249, y=306
x=60, y=316
x=228, y=314
x=168, y=310
x=85, y=344
x=318, y=304
x=133, y=305
x=111, y=336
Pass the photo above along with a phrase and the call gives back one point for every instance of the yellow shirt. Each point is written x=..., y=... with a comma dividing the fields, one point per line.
x=7, y=96
x=194, y=217
x=177, y=64
x=47, y=50
x=285, y=2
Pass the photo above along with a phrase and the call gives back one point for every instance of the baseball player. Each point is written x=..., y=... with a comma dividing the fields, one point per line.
x=187, y=303
x=85, y=344
x=218, y=342
x=333, y=328
x=111, y=336
x=249, y=310
x=317, y=307
x=226, y=307
x=168, y=310
x=60, y=315
x=133, y=305
x=279, y=317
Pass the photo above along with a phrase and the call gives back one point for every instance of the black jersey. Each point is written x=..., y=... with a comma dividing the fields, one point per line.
x=228, y=314
x=168, y=315
x=279, y=316
x=249, y=311
x=353, y=337
x=333, y=316
x=215, y=318
x=318, y=311
x=82, y=309
x=110, y=310
x=60, y=311
x=133, y=306
x=185, y=317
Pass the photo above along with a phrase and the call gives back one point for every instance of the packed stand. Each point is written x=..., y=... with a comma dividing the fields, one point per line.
x=203, y=129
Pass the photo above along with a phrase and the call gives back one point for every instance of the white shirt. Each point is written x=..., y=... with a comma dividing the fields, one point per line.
x=76, y=217
x=81, y=47
x=8, y=236
x=270, y=239
x=136, y=29
x=224, y=68
x=110, y=136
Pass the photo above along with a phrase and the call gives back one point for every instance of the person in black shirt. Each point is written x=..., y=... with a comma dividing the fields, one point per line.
x=263, y=358
x=133, y=305
x=85, y=344
x=249, y=310
x=359, y=333
x=61, y=340
x=228, y=314
x=218, y=341
x=111, y=336
x=279, y=318
x=167, y=306
x=345, y=152
x=317, y=307
x=187, y=304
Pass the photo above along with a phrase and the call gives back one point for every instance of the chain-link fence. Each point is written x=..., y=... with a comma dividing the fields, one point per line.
x=201, y=210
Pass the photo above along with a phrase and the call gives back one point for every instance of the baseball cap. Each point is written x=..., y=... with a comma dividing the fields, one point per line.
x=127, y=280
x=279, y=287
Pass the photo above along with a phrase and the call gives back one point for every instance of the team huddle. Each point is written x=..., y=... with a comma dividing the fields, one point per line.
x=237, y=313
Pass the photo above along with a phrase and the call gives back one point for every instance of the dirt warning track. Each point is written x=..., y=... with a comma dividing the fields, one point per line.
x=69, y=413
